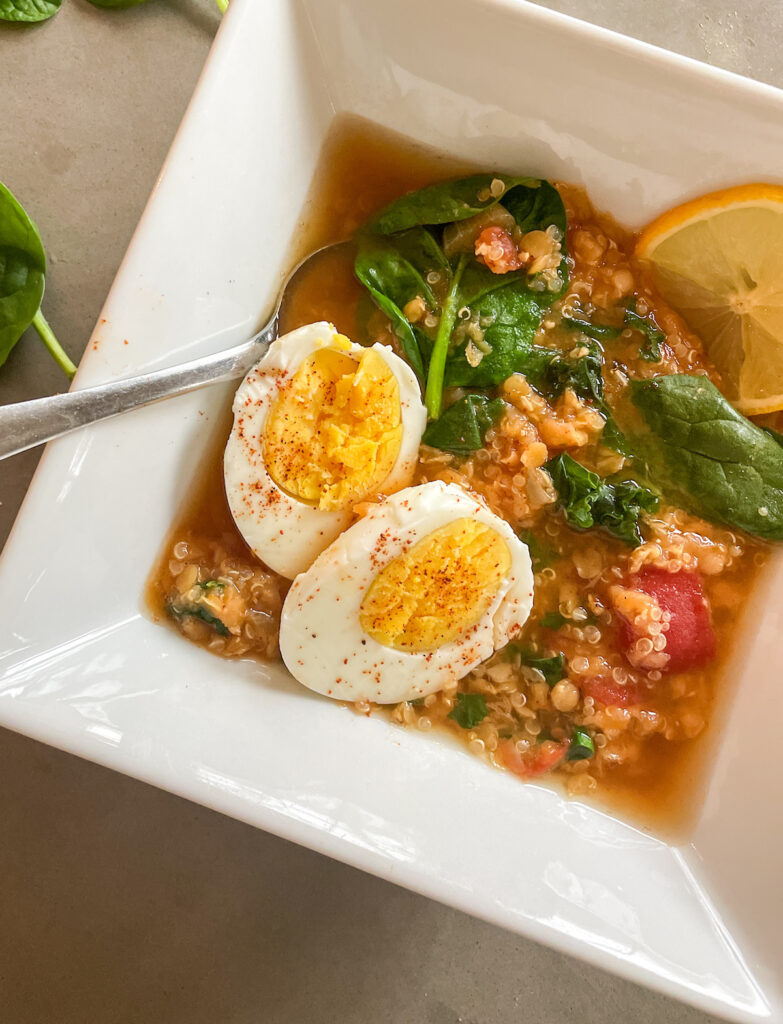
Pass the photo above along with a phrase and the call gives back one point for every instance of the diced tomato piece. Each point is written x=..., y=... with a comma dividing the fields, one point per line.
x=536, y=761
x=497, y=249
x=690, y=639
x=609, y=693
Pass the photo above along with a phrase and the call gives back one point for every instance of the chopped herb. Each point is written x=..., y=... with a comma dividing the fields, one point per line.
x=582, y=746
x=541, y=554
x=195, y=611
x=655, y=337
x=461, y=429
x=417, y=701
x=470, y=709
x=588, y=500
x=212, y=585
x=552, y=668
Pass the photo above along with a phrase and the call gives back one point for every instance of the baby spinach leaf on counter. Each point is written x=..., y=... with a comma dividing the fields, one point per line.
x=196, y=611
x=582, y=746
x=552, y=668
x=590, y=501
x=28, y=10
x=446, y=202
x=655, y=337
x=462, y=427
x=470, y=709
x=705, y=454
x=22, y=276
x=541, y=553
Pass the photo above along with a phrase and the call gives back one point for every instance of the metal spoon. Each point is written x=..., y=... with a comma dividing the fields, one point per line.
x=24, y=425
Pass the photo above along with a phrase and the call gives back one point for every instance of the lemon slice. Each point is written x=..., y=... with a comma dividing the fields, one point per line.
x=718, y=261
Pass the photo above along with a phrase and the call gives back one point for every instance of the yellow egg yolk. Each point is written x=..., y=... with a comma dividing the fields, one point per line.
x=439, y=588
x=335, y=430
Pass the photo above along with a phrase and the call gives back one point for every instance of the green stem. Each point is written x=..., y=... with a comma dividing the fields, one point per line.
x=47, y=337
x=222, y=5
x=433, y=394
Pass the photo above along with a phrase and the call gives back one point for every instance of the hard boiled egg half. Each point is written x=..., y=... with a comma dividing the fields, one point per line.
x=413, y=596
x=320, y=424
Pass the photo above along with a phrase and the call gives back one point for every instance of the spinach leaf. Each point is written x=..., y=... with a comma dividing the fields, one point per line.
x=392, y=281
x=535, y=206
x=552, y=668
x=541, y=554
x=584, y=375
x=462, y=427
x=22, y=270
x=446, y=202
x=598, y=332
x=22, y=275
x=589, y=501
x=28, y=10
x=551, y=373
x=197, y=611
x=708, y=456
x=775, y=434
x=470, y=709
x=655, y=337
x=553, y=620
x=514, y=316
x=582, y=746
x=509, y=307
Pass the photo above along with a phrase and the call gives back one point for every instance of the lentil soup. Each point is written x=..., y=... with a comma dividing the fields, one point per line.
x=600, y=689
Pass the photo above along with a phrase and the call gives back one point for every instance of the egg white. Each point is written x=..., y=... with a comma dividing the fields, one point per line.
x=283, y=532
x=321, y=640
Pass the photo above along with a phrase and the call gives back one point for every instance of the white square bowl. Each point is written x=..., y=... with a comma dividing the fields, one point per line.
x=497, y=82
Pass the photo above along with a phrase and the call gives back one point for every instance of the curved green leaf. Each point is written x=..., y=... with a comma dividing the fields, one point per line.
x=507, y=307
x=22, y=272
x=462, y=427
x=28, y=11
x=445, y=202
x=515, y=317
x=708, y=456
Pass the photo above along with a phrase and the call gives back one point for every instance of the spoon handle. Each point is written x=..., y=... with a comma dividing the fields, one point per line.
x=24, y=425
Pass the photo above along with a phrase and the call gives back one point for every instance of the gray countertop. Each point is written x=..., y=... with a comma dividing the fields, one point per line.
x=121, y=903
